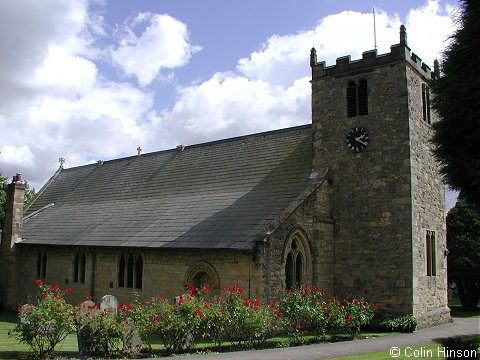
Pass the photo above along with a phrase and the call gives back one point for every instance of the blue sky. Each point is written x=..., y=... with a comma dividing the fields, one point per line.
x=93, y=80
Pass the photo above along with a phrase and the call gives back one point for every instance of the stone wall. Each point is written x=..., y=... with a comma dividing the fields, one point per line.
x=164, y=272
x=385, y=198
x=371, y=203
x=312, y=224
x=428, y=204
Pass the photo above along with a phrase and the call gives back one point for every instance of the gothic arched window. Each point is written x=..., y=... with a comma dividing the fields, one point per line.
x=79, y=265
x=130, y=271
x=121, y=271
x=139, y=272
x=297, y=260
x=202, y=273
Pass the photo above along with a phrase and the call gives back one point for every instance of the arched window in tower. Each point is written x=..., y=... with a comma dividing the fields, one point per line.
x=362, y=97
x=426, y=103
x=139, y=272
x=352, y=99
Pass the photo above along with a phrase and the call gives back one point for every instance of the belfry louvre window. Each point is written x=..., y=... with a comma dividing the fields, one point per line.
x=357, y=98
x=130, y=271
x=352, y=99
x=426, y=103
x=430, y=253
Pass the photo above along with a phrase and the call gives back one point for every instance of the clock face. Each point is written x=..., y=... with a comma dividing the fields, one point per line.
x=358, y=139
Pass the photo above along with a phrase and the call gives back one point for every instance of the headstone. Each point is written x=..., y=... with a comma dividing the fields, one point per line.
x=85, y=333
x=132, y=343
x=109, y=302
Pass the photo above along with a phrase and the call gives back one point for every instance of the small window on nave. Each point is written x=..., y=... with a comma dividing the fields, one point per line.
x=130, y=271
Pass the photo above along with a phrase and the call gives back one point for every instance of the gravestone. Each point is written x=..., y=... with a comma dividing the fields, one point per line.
x=132, y=343
x=109, y=302
x=85, y=332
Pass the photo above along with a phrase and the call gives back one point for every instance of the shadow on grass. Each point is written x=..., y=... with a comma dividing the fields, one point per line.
x=456, y=311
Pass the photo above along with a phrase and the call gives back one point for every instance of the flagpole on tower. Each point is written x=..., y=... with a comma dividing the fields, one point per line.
x=374, y=29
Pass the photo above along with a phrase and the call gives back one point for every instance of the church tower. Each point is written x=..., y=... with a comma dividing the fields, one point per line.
x=372, y=123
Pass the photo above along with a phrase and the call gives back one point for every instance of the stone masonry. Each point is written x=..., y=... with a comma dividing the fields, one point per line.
x=385, y=198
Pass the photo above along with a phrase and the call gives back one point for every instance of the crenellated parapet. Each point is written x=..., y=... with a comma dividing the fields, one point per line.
x=370, y=59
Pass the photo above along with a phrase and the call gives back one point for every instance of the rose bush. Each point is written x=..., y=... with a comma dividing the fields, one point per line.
x=232, y=317
x=177, y=323
x=46, y=322
x=180, y=324
x=99, y=332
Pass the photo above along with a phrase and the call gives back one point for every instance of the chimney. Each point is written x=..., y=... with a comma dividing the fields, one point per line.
x=13, y=222
x=11, y=233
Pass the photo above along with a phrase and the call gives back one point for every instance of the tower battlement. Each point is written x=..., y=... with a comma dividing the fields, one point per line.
x=398, y=52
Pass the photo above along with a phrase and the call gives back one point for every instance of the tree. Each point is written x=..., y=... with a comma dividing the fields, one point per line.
x=457, y=101
x=463, y=238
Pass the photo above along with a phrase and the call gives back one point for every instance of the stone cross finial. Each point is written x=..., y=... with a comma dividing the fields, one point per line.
x=139, y=150
x=61, y=160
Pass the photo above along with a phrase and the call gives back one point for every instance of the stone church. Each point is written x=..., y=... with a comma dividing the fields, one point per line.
x=352, y=203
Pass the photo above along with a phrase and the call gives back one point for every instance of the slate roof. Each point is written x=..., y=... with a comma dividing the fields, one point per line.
x=217, y=195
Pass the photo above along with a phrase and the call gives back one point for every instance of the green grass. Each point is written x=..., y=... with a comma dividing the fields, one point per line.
x=422, y=352
x=10, y=348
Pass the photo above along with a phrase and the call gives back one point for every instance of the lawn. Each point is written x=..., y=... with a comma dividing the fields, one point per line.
x=10, y=348
x=424, y=352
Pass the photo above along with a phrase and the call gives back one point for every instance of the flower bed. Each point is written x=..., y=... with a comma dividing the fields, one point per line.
x=195, y=316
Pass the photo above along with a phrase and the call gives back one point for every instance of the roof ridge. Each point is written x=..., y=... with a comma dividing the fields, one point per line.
x=199, y=145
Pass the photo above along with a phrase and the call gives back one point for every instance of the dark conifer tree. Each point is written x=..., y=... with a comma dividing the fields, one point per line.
x=457, y=100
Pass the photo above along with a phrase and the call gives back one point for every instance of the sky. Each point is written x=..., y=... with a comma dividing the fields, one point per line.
x=91, y=80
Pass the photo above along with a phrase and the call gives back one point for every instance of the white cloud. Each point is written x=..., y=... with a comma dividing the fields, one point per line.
x=228, y=105
x=272, y=89
x=163, y=44
x=57, y=99
x=13, y=155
